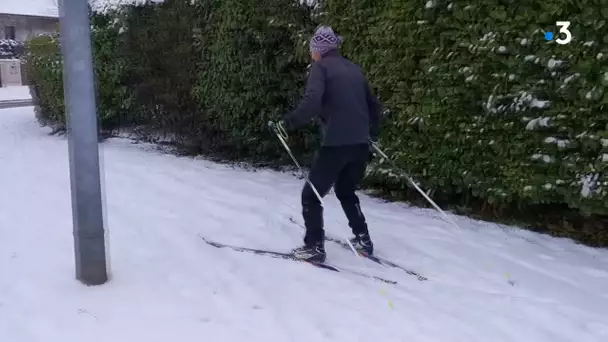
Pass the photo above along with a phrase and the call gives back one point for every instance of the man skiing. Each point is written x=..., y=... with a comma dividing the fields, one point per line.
x=337, y=92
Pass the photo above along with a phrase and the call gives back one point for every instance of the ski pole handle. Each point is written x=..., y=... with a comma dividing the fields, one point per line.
x=278, y=129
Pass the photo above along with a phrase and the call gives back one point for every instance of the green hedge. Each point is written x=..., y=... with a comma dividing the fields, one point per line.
x=45, y=73
x=44, y=67
x=481, y=109
x=481, y=105
x=249, y=72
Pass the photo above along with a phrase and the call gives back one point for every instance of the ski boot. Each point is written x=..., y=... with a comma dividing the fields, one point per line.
x=363, y=244
x=311, y=253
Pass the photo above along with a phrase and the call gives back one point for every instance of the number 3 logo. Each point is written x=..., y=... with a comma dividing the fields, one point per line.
x=563, y=25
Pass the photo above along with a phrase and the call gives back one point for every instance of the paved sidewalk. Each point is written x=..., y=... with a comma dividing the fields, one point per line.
x=16, y=103
x=15, y=96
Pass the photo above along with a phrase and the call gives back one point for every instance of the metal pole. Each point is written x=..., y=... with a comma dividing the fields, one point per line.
x=81, y=115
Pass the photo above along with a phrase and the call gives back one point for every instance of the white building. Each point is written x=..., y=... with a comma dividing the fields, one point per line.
x=23, y=19
x=19, y=21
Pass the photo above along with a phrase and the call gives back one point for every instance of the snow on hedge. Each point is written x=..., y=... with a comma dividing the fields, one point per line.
x=103, y=6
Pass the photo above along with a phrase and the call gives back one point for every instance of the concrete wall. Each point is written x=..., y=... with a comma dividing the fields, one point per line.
x=10, y=72
x=27, y=27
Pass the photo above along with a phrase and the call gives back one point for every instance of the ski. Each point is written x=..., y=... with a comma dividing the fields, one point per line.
x=289, y=256
x=373, y=258
x=380, y=261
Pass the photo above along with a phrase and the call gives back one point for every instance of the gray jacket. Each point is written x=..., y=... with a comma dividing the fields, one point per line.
x=338, y=94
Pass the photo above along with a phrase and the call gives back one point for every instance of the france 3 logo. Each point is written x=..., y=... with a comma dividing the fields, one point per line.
x=563, y=30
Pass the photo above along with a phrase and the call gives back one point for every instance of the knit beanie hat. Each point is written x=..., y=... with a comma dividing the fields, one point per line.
x=324, y=39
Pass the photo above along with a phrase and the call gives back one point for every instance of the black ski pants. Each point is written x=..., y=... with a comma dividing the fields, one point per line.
x=343, y=167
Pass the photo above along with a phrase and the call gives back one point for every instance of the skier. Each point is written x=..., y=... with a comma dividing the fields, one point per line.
x=337, y=92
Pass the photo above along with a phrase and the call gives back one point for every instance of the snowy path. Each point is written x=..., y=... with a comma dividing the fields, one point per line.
x=15, y=93
x=167, y=285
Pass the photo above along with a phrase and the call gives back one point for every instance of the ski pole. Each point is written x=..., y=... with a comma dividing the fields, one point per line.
x=282, y=135
x=394, y=165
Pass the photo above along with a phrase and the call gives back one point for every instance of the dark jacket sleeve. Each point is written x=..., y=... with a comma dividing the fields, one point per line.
x=312, y=102
x=375, y=114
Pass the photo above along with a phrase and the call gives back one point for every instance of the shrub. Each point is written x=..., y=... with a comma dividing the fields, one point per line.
x=10, y=48
x=158, y=47
x=481, y=109
x=45, y=72
x=481, y=106
x=44, y=66
x=250, y=73
x=114, y=95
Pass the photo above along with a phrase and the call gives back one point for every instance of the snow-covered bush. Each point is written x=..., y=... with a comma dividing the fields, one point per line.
x=482, y=106
x=10, y=49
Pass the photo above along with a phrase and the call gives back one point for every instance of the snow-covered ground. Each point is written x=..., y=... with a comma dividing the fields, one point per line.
x=486, y=283
x=15, y=93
